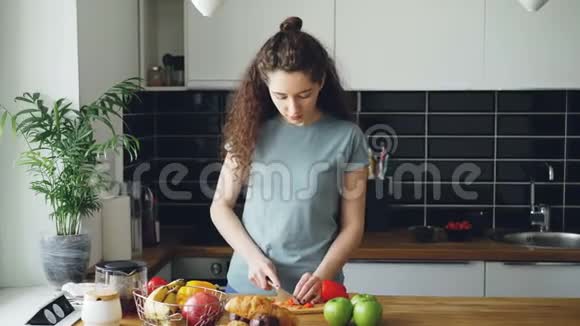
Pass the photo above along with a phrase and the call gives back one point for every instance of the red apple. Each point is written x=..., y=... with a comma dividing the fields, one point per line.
x=201, y=306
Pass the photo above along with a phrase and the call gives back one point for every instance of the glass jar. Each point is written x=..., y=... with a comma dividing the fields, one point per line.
x=101, y=307
x=123, y=276
x=155, y=76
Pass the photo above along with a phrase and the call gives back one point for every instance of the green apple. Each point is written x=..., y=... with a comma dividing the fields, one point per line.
x=367, y=313
x=358, y=297
x=338, y=311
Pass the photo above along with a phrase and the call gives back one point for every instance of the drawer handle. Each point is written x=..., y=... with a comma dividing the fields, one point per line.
x=527, y=263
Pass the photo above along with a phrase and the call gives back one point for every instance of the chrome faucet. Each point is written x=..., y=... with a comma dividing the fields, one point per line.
x=540, y=213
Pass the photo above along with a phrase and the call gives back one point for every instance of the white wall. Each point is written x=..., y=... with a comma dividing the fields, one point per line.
x=39, y=53
x=60, y=48
x=108, y=53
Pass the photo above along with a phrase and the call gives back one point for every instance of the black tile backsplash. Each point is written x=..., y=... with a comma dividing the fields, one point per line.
x=525, y=170
x=468, y=194
x=461, y=102
x=526, y=148
x=460, y=171
x=532, y=101
x=574, y=148
x=185, y=146
x=573, y=195
x=519, y=194
x=461, y=147
x=574, y=101
x=573, y=171
x=188, y=124
x=405, y=148
x=454, y=154
x=533, y=125
x=462, y=125
x=401, y=124
x=393, y=102
x=574, y=125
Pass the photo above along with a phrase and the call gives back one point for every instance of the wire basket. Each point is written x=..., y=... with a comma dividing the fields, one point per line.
x=154, y=313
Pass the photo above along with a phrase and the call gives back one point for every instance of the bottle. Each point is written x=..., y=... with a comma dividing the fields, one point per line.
x=372, y=164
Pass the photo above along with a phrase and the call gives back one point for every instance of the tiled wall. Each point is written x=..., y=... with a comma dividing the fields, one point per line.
x=508, y=136
x=180, y=136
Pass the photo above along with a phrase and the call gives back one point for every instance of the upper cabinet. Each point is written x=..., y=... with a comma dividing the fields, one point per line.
x=532, y=49
x=161, y=30
x=377, y=44
x=220, y=48
x=410, y=44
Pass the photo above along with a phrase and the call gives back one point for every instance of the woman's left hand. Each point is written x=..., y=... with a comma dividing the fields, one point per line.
x=308, y=289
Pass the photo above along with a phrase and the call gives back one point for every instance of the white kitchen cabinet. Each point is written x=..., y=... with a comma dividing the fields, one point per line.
x=421, y=278
x=532, y=49
x=161, y=31
x=219, y=48
x=410, y=44
x=532, y=279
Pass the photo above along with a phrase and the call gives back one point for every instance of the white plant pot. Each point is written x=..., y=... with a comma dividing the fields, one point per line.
x=533, y=5
x=207, y=7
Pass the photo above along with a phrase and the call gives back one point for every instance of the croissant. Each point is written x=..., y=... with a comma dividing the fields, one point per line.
x=237, y=323
x=252, y=307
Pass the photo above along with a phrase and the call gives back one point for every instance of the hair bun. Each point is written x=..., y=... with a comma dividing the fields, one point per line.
x=291, y=24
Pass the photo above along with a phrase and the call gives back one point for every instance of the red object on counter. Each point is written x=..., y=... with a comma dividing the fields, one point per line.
x=154, y=283
x=456, y=226
x=332, y=289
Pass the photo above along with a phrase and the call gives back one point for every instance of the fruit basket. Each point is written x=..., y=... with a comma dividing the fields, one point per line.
x=203, y=308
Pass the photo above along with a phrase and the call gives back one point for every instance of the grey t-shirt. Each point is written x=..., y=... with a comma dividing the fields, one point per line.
x=293, y=196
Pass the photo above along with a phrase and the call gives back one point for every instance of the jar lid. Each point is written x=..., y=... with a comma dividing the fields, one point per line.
x=104, y=294
x=125, y=266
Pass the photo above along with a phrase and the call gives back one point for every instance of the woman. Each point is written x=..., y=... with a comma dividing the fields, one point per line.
x=289, y=138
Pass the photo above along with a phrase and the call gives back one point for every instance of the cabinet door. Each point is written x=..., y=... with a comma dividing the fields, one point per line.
x=532, y=279
x=219, y=48
x=429, y=279
x=532, y=49
x=410, y=44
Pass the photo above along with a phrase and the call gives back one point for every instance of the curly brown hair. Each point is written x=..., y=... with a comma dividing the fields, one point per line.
x=290, y=50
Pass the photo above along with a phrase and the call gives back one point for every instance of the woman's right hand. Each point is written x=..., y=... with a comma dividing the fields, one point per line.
x=260, y=270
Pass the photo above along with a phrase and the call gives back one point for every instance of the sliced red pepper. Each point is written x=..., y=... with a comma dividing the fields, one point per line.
x=308, y=305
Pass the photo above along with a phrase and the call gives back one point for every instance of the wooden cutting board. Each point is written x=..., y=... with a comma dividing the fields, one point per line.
x=299, y=310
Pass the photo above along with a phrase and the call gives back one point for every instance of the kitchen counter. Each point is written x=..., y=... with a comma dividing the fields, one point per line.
x=459, y=311
x=395, y=245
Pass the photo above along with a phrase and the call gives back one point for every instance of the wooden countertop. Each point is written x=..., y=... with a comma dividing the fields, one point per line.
x=436, y=311
x=392, y=246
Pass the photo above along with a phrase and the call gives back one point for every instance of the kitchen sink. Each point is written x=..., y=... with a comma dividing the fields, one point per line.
x=542, y=239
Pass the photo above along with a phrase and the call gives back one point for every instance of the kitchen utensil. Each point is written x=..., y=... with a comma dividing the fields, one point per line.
x=124, y=276
x=281, y=294
x=150, y=227
x=101, y=307
x=300, y=310
x=136, y=193
x=427, y=233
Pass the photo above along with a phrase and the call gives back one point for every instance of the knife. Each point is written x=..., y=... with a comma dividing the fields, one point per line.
x=281, y=294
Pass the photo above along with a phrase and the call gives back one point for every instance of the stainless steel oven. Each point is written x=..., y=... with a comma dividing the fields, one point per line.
x=209, y=269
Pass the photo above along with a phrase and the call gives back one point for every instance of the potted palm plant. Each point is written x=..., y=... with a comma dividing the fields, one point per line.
x=64, y=157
